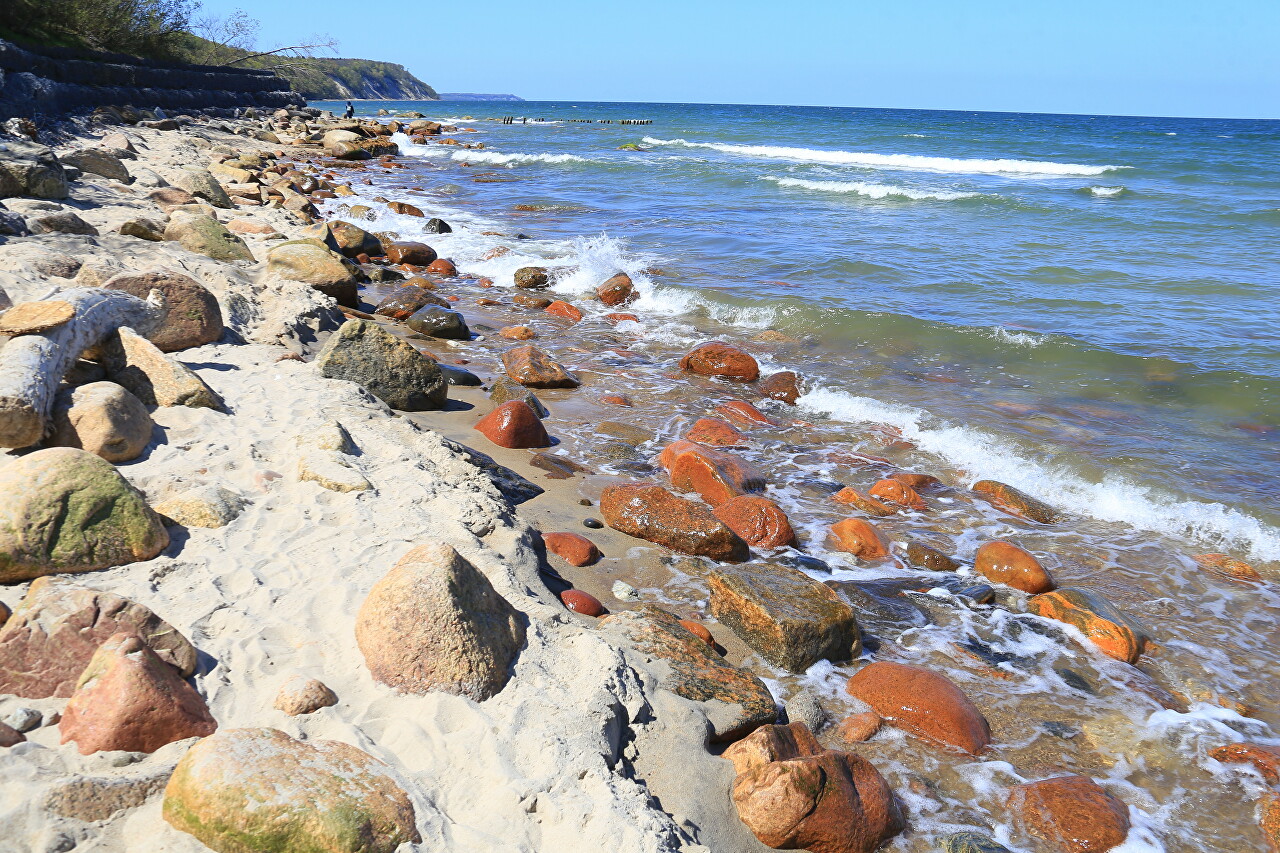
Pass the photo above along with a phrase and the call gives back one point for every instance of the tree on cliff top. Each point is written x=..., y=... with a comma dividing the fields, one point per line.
x=137, y=27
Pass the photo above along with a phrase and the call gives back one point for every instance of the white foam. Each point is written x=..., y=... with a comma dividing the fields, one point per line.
x=409, y=148
x=910, y=162
x=1107, y=192
x=876, y=191
x=497, y=158
x=985, y=456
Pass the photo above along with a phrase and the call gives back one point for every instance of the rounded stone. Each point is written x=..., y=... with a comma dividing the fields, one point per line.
x=102, y=418
x=581, y=602
x=1006, y=563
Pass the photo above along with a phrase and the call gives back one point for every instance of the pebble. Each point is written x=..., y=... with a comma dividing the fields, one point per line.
x=592, y=523
x=624, y=591
x=23, y=719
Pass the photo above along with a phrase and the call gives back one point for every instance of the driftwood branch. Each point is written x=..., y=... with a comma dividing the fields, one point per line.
x=32, y=365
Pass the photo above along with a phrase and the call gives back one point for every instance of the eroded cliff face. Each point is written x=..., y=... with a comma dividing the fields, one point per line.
x=326, y=79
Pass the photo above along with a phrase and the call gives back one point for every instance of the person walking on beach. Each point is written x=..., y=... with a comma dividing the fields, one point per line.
x=350, y=111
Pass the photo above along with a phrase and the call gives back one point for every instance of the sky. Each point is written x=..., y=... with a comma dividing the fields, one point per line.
x=1121, y=57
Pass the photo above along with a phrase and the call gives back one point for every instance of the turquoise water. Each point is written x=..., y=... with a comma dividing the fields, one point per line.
x=1084, y=306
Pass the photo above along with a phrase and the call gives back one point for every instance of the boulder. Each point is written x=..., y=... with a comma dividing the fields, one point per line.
x=532, y=278
x=344, y=238
x=404, y=209
x=301, y=695
x=850, y=496
x=118, y=141
x=617, y=290
x=194, y=316
x=1261, y=757
x=388, y=367
x=1014, y=502
x=144, y=228
x=534, y=368
x=408, y=252
x=443, y=267
x=759, y=521
x=858, y=537
x=560, y=308
x=48, y=641
x=1071, y=814
x=655, y=514
x=528, y=300
x=170, y=199
x=716, y=476
x=924, y=703
x=896, y=492
x=60, y=222
x=792, y=620
x=203, y=185
x=129, y=699
x=735, y=701
x=206, y=236
x=505, y=390
x=403, y=302
x=435, y=622
x=67, y=510
x=514, y=425
x=718, y=359
x=436, y=322
x=784, y=386
x=27, y=169
x=1115, y=634
x=714, y=432
x=95, y=161
x=1006, y=563
x=574, y=549
x=312, y=263
x=153, y=377
x=582, y=602
x=209, y=507
x=246, y=790
x=793, y=794
x=102, y=418
x=930, y=559
x=437, y=226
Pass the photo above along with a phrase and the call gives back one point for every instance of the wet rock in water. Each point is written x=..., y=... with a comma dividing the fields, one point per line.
x=436, y=322
x=316, y=265
x=410, y=252
x=574, y=549
x=615, y=319
x=744, y=414
x=714, y=432
x=514, y=425
x=617, y=290
x=504, y=390
x=206, y=236
x=805, y=708
x=922, y=702
x=1269, y=819
x=27, y=169
x=924, y=557
x=259, y=789
x=850, y=496
x=736, y=702
x=654, y=514
x=630, y=433
x=102, y=418
x=528, y=300
x=203, y=185
x=1261, y=757
x=389, y=368
x=60, y=222
x=784, y=386
x=194, y=317
x=68, y=510
x=9, y=736
x=716, y=476
x=443, y=267
x=153, y=377
x=895, y=492
x=1071, y=814
x=718, y=359
x=534, y=368
x=859, y=728
x=532, y=278
x=401, y=304
x=437, y=226
x=301, y=695
x=129, y=699
x=858, y=537
x=517, y=333
x=435, y=622
x=455, y=375
x=582, y=602
x=790, y=619
x=95, y=161
x=759, y=521
x=1227, y=567
x=916, y=481
x=51, y=636
x=792, y=794
x=1006, y=563
x=1115, y=634
x=563, y=309
x=558, y=467
x=1015, y=502
x=971, y=842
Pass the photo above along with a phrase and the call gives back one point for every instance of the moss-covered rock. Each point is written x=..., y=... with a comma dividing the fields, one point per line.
x=67, y=510
x=261, y=791
x=206, y=236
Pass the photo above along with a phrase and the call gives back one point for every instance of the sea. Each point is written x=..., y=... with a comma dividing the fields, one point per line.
x=1083, y=307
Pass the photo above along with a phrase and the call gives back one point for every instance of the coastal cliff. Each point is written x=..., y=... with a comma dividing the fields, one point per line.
x=334, y=79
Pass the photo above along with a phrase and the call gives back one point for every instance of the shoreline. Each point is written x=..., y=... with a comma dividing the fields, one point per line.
x=546, y=759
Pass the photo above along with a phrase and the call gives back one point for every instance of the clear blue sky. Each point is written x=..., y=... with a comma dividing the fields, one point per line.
x=1144, y=57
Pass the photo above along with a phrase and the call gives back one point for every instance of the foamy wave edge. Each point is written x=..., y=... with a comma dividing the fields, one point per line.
x=874, y=191
x=909, y=162
x=1114, y=499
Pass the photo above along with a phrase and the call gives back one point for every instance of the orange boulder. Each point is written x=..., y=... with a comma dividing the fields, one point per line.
x=718, y=359
x=759, y=521
x=573, y=548
x=714, y=432
x=714, y=475
x=858, y=537
x=922, y=702
x=563, y=309
x=514, y=425
x=1006, y=563
x=1115, y=634
x=1071, y=814
x=896, y=492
